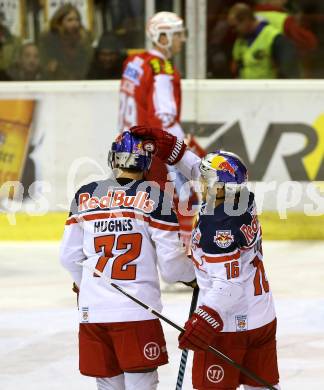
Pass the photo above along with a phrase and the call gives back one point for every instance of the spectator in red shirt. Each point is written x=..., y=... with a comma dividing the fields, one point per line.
x=274, y=12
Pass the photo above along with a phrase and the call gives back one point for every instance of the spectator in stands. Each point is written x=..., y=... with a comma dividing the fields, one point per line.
x=9, y=48
x=66, y=48
x=220, y=39
x=28, y=66
x=274, y=12
x=107, y=63
x=260, y=51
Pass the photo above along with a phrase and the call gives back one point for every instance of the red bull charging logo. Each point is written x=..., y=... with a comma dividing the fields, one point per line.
x=221, y=164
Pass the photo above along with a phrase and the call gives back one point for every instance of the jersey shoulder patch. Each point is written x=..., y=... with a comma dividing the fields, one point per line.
x=133, y=69
x=216, y=236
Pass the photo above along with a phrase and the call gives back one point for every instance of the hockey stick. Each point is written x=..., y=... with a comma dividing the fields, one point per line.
x=184, y=354
x=211, y=349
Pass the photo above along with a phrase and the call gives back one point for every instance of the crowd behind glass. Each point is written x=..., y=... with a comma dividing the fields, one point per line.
x=64, y=49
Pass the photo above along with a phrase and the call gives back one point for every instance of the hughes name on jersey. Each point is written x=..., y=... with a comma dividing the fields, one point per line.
x=227, y=253
x=125, y=229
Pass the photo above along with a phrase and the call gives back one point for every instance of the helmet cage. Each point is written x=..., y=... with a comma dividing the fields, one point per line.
x=125, y=160
x=232, y=184
x=128, y=153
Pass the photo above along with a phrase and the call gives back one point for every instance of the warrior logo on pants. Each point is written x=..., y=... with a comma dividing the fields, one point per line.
x=215, y=373
x=151, y=351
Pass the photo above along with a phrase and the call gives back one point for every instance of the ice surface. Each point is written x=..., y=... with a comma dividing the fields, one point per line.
x=38, y=320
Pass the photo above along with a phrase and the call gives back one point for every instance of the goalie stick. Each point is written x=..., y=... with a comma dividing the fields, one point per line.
x=184, y=354
x=162, y=317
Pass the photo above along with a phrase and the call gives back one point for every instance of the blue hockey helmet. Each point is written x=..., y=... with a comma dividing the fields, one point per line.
x=128, y=152
x=224, y=167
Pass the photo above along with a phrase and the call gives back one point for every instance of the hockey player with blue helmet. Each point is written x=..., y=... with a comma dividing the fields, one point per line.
x=129, y=152
x=236, y=310
x=118, y=227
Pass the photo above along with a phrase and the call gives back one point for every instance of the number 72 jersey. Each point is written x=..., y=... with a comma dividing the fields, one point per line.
x=126, y=232
x=227, y=254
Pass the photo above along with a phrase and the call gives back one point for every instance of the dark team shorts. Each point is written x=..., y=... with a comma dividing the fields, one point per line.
x=109, y=349
x=254, y=349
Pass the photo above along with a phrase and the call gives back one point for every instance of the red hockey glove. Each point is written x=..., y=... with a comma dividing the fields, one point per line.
x=200, y=329
x=166, y=146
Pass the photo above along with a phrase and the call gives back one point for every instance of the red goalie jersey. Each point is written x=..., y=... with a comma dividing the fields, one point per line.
x=150, y=93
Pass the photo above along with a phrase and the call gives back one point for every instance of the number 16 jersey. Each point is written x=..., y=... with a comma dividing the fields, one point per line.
x=227, y=253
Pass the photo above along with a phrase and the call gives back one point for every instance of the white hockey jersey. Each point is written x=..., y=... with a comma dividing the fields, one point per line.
x=124, y=229
x=227, y=253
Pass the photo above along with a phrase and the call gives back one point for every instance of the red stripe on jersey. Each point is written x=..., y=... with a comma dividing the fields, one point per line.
x=71, y=221
x=163, y=226
x=112, y=214
x=221, y=259
x=122, y=214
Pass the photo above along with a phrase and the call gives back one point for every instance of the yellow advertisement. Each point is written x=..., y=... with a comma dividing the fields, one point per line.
x=15, y=123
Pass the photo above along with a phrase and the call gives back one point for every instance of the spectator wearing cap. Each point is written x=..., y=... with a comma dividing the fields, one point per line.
x=260, y=50
x=66, y=49
x=28, y=65
x=107, y=63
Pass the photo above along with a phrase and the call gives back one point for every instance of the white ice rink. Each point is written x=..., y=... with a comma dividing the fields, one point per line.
x=38, y=321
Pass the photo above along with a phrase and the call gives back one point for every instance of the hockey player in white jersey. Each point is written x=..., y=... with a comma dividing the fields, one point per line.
x=124, y=227
x=236, y=311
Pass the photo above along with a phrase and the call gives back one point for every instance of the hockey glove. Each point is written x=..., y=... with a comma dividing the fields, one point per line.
x=164, y=145
x=200, y=329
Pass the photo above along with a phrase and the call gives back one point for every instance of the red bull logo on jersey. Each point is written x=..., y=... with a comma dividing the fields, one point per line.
x=221, y=164
x=116, y=199
x=223, y=238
